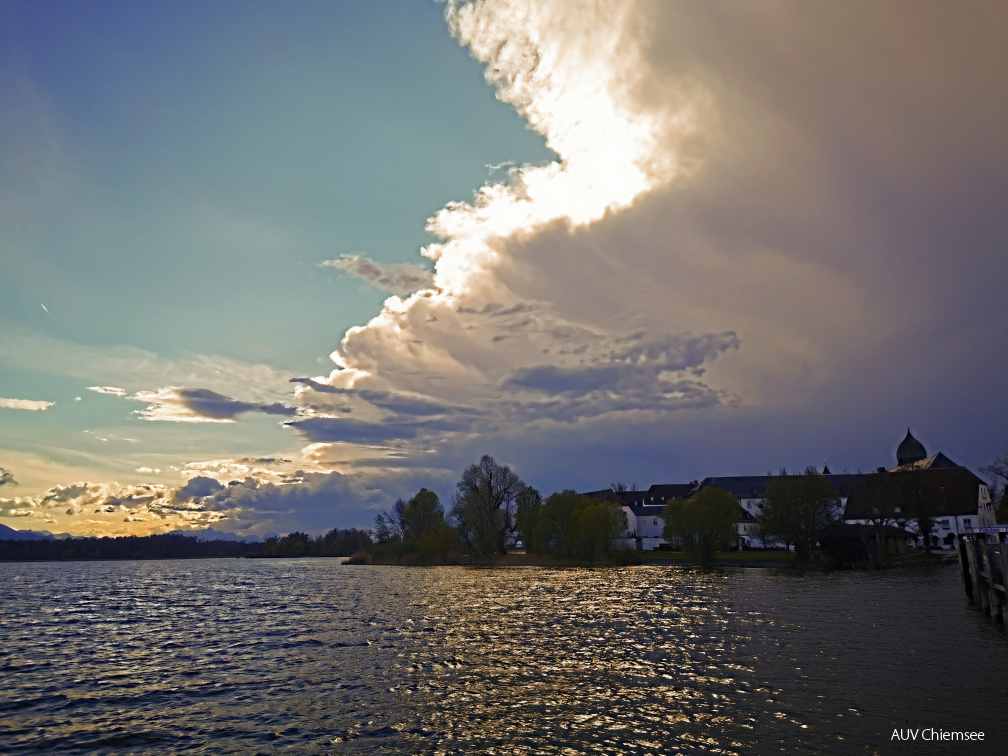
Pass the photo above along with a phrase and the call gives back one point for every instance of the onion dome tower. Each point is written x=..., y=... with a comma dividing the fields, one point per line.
x=910, y=450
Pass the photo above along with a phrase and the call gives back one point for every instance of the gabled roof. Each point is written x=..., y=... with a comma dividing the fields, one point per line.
x=937, y=460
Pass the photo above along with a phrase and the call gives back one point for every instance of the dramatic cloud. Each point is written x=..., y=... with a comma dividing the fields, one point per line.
x=25, y=404
x=6, y=477
x=771, y=232
x=110, y=507
x=180, y=405
x=725, y=230
x=402, y=279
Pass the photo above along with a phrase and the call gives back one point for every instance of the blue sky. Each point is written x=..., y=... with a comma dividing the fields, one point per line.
x=670, y=241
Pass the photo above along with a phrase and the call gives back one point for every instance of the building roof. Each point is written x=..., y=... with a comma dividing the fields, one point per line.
x=752, y=486
x=927, y=463
x=944, y=490
x=656, y=495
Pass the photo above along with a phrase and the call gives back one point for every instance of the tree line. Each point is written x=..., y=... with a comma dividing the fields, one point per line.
x=491, y=511
x=335, y=543
x=166, y=546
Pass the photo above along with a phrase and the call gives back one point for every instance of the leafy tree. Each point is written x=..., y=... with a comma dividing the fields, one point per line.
x=483, y=507
x=422, y=514
x=595, y=528
x=529, y=507
x=558, y=526
x=703, y=524
x=796, y=507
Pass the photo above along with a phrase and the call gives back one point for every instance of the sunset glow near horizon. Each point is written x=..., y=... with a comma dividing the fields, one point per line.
x=270, y=268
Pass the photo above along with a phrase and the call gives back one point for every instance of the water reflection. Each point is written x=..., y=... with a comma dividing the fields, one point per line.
x=233, y=656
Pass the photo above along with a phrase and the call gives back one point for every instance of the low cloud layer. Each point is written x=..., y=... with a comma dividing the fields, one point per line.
x=30, y=405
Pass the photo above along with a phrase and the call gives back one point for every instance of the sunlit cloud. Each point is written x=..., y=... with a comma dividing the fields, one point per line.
x=111, y=390
x=474, y=343
x=25, y=404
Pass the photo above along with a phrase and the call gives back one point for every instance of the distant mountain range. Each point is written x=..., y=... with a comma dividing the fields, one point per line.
x=215, y=535
x=10, y=534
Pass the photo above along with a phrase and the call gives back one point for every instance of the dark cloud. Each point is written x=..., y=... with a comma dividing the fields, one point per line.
x=630, y=373
x=317, y=501
x=406, y=404
x=196, y=488
x=345, y=430
x=7, y=477
x=219, y=407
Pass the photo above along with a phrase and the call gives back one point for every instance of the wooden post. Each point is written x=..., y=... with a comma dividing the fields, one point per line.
x=979, y=593
x=964, y=570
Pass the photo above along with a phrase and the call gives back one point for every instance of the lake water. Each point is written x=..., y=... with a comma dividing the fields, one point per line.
x=311, y=656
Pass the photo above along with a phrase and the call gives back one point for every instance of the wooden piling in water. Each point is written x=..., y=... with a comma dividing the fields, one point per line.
x=984, y=571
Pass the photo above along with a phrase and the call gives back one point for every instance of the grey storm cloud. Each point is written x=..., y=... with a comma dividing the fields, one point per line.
x=315, y=501
x=405, y=404
x=336, y=430
x=630, y=368
x=401, y=279
x=211, y=404
x=197, y=488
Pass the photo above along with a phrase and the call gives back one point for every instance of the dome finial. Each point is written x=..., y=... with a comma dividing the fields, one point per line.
x=910, y=450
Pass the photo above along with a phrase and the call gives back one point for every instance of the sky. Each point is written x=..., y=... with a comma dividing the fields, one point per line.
x=268, y=267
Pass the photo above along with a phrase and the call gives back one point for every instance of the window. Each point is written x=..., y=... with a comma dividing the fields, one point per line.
x=941, y=489
x=967, y=522
x=897, y=510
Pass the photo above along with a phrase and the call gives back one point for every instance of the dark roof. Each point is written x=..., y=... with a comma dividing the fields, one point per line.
x=947, y=490
x=656, y=495
x=928, y=463
x=752, y=486
x=910, y=450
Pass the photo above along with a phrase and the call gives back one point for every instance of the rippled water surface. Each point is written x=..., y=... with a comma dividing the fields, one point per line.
x=311, y=656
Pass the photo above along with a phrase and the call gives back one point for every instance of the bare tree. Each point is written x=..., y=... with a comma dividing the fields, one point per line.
x=796, y=507
x=389, y=525
x=998, y=470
